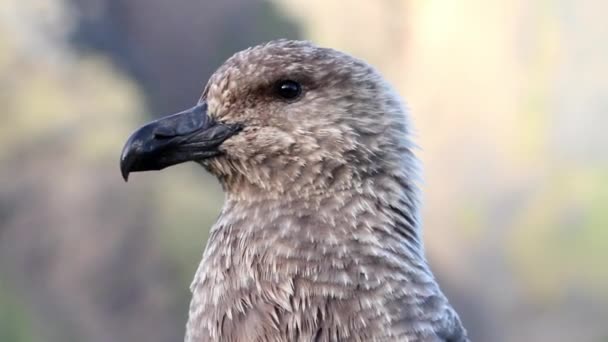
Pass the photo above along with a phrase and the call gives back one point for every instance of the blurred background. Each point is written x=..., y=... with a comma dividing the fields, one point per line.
x=510, y=102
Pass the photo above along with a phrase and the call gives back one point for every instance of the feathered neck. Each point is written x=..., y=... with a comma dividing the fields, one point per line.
x=296, y=254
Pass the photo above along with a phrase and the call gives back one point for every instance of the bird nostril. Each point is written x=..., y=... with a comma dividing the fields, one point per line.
x=163, y=133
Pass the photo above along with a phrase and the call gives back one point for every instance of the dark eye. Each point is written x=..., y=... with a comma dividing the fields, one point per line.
x=288, y=89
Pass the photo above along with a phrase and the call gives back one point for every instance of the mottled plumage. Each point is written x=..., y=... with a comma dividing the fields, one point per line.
x=319, y=237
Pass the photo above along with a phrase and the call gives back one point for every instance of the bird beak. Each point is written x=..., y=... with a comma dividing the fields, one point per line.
x=185, y=136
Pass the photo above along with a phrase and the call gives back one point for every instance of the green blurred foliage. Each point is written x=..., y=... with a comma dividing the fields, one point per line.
x=15, y=322
x=61, y=95
x=560, y=243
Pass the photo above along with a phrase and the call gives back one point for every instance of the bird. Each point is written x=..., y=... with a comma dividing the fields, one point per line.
x=319, y=237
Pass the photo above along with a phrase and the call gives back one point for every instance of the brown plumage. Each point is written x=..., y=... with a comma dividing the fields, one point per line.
x=319, y=237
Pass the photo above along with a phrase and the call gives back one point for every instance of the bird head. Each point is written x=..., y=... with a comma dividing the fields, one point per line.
x=282, y=116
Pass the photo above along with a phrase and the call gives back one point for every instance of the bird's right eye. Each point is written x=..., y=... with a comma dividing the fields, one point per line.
x=288, y=89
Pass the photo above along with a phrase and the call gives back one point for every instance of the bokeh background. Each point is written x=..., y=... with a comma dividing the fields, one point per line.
x=510, y=101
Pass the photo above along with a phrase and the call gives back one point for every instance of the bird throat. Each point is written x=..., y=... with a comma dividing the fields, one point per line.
x=287, y=261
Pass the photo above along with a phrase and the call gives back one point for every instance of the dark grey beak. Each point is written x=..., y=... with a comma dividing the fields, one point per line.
x=185, y=136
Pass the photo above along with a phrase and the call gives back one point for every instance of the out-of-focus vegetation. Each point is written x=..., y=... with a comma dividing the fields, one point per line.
x=508, y=98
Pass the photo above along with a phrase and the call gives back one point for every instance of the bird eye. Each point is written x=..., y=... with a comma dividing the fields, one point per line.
x=288, y=89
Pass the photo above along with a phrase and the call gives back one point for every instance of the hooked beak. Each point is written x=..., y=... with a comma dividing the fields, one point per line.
x=185, y=136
